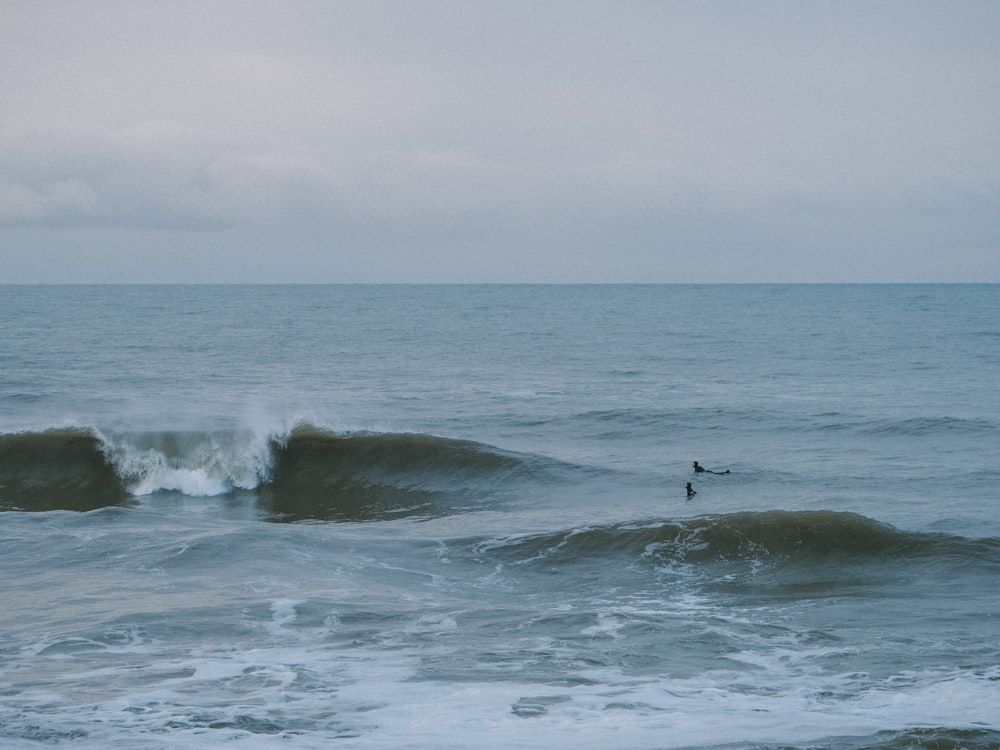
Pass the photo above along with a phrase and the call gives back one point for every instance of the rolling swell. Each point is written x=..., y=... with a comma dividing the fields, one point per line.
x=307, y=473
x=776, y=536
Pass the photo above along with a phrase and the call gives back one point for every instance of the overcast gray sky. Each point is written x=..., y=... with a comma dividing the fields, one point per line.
x=504, y=141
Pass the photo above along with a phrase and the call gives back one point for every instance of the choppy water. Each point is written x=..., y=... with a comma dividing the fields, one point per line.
x=410, y=516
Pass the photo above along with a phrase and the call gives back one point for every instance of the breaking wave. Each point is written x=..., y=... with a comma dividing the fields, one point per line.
x=308, y=472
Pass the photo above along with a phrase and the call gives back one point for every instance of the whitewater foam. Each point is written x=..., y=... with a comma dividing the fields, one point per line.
x=199, y=464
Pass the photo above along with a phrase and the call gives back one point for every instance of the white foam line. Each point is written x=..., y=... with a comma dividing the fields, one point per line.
x=375, y=696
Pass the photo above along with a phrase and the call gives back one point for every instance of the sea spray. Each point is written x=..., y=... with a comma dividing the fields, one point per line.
x=193, y=463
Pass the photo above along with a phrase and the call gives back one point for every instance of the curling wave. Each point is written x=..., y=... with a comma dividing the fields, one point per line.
x=308, y=472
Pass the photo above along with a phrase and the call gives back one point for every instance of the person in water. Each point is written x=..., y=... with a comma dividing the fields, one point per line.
x=690, y=489
x=699, y=469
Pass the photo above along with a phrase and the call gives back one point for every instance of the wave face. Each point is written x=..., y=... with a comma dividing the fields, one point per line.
x=363, y=476
x=308, y=473
x=57, y=470
x=775, y=536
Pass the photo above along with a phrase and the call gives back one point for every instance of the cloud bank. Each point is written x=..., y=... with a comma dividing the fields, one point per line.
x=515, y=141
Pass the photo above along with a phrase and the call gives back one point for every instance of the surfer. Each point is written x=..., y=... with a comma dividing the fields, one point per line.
x=690, y=490
x=699, y=469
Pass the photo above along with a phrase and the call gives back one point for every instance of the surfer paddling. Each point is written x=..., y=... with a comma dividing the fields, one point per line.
x=699, y=469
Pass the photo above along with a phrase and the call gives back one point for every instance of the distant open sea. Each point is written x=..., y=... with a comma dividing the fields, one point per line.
x=455, y=516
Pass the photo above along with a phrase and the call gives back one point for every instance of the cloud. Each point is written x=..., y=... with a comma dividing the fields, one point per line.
x=157, y=176
x=49, y=201
x=507, y=141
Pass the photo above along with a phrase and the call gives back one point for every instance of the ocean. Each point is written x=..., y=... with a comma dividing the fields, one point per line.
x=455, y=516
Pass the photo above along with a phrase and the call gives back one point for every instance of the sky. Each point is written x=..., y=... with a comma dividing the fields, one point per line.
x=552, y=141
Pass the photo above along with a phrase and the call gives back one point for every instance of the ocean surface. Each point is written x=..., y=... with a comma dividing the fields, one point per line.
x=455, y=517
